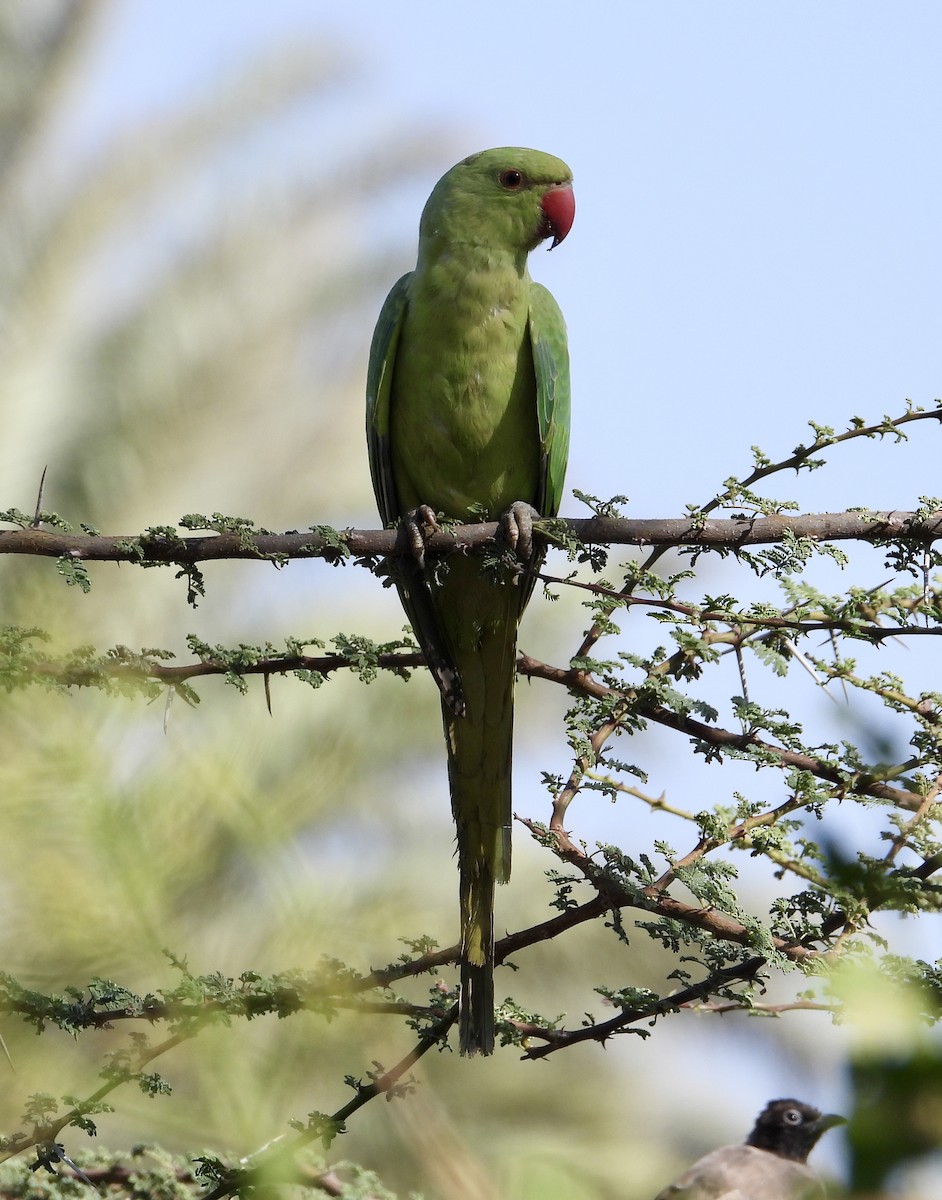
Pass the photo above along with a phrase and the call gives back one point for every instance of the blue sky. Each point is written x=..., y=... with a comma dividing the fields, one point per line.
x=757, y=236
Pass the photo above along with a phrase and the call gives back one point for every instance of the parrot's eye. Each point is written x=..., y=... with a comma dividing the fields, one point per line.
x=511, y=179
x=791, y=1116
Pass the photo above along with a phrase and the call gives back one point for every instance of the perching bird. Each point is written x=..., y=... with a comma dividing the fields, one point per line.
x=468, y=416
x=772, y=1165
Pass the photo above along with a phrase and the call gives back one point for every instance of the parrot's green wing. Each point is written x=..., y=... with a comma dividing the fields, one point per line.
x=551, y=363
x=410, y=578
x=379, y=378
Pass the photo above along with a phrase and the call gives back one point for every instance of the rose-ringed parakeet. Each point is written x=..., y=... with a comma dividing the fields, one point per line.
x=468, y=416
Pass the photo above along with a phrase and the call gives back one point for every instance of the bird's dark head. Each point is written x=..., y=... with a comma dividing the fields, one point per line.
x=790, y=1129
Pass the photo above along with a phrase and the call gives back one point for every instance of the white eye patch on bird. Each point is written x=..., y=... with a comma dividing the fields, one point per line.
x=771, y=1165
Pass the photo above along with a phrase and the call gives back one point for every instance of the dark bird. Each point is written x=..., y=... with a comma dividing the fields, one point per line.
x=772, y=1165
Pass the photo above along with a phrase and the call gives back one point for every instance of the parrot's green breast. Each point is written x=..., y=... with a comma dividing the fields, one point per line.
x=464, y=432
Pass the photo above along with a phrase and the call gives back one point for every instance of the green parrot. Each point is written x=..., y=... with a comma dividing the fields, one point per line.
x=468, y=416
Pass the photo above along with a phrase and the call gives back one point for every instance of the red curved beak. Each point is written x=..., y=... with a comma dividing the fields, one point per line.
x=559, y=211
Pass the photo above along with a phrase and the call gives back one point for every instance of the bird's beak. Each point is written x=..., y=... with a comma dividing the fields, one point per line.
x=827, y=1121
x=559, y=211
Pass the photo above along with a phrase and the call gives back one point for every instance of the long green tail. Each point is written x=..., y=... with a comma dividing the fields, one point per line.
x=482, y=810
x=481, y=619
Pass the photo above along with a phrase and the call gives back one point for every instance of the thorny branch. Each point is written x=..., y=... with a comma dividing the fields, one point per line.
x=735, y=492
x=279, y=1165
x=574, y=679
x=50, y=1131
x=653, y=899
x=710, y=735
x=727, y=534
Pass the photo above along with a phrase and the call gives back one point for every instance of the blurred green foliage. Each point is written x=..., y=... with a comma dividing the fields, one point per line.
x=184, y=317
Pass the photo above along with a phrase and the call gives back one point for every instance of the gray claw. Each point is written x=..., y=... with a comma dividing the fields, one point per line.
x=517, y=527
x=419, y=526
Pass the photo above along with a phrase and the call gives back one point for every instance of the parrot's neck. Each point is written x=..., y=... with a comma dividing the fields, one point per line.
x=466, y=286
x=472, y=256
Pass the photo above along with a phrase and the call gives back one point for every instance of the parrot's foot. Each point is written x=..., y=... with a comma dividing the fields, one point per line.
x=516, y=526
x=418, y=526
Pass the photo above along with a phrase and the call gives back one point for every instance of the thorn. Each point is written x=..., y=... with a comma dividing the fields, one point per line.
x=36, y=522
x=925, y=575
x=837, y=658
x=267, y=680
x=6, y=1054
x=78, y=1170
x=742, y=679
x=803, y=662
x=170, y=695
x=53, y=1152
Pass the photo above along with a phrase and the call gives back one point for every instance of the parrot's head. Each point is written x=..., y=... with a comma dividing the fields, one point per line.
x=506, y=199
